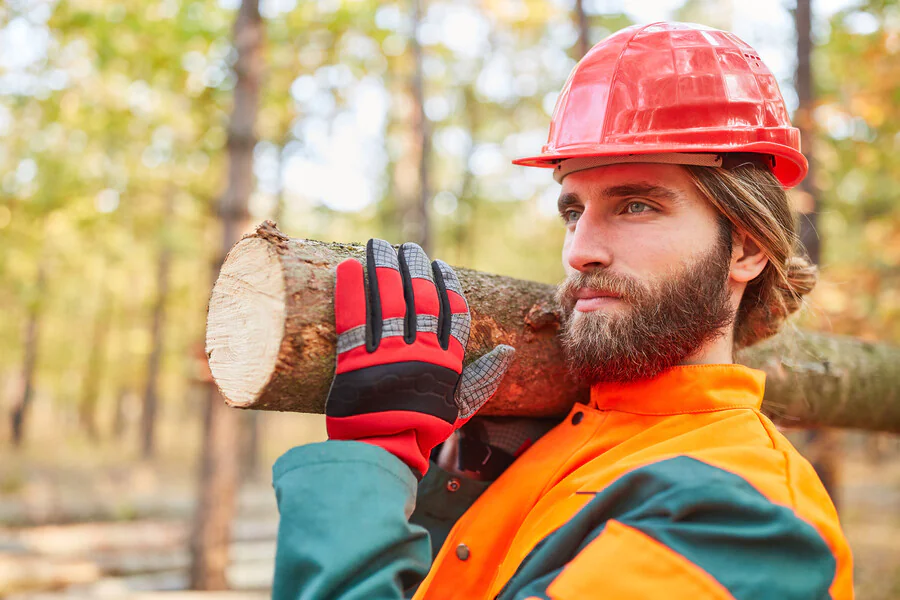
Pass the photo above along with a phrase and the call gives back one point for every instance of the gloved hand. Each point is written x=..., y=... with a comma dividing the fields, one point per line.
x=399, y=382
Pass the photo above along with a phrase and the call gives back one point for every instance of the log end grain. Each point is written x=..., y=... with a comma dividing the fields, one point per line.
x=245, y=323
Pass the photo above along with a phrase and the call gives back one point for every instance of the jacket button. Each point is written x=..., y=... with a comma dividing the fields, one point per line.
x=462, y=552
x=452, y=484
x=577, y=417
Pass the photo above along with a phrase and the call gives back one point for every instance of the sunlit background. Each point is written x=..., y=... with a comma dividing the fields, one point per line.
x=113, y=157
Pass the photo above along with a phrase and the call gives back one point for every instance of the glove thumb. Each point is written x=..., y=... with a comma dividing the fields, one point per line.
x=480, y=380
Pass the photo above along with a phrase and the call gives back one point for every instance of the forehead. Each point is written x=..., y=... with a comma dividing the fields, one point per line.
x=597, y=181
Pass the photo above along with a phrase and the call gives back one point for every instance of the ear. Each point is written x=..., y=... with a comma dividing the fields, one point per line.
x=747, y=259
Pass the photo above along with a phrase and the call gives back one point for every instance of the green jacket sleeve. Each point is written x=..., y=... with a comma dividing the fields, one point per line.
x=344, y=531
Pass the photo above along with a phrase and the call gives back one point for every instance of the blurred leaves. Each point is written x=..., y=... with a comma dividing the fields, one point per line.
x=106, y=108
x=857, y=69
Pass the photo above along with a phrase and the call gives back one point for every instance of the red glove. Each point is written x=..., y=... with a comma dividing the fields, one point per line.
x=399, y=382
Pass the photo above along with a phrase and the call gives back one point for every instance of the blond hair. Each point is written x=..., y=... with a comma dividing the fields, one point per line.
x=753, y=201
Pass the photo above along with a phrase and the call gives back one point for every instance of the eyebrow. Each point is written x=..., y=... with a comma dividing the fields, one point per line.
x=566, y=200
x=647, y=190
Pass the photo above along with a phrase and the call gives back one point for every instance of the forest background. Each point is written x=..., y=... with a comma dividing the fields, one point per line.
x=114, y=143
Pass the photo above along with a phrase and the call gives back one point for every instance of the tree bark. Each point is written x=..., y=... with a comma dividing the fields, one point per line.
x=29, y=364
x=157, y=330
x=270, y=342
x=218, y=468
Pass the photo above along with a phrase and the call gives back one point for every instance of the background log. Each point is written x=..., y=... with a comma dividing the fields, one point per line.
x=270, y=343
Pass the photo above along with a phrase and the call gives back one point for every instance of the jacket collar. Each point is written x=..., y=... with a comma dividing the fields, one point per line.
x=684, y=389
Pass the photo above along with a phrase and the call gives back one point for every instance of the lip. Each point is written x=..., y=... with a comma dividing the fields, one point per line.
x=592, y=304
x=591, y=299
x=591, y=293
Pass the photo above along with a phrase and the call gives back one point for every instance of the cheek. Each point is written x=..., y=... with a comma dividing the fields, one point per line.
x=567, y=243
x=659, y=250
x=655, y=254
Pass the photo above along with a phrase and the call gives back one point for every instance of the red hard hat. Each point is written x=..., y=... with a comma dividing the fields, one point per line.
x=672, y=88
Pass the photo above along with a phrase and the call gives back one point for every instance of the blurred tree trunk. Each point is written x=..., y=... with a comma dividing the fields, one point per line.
x=278, y=210
x=250, y=441
x=423, y=135
x=823, y=446
x=584, y=29
x=120, y=418
x=157, y=328
x=90, y=391
x=218, y=465
x=251, y=422
x=32, y=335
x=713, y=13
x=392, y=205
x=132, y=316
x=808, y=194
x=463, y=234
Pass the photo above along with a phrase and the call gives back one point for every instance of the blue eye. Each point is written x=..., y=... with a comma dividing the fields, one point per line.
x=636, y=208
x=570, y=216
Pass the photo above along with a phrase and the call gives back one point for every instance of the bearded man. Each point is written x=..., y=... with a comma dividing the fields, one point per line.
x=674, y=150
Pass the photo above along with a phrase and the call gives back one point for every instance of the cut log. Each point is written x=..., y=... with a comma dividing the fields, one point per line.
x=270, y=342
x=270, y=329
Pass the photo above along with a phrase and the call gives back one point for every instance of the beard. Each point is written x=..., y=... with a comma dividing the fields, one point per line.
x=666, y=321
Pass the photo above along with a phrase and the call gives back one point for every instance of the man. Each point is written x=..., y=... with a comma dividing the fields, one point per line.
x=674, y=149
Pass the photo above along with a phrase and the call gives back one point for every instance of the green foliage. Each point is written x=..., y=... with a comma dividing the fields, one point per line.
x=126, y=105
x=116, y=122
x=110, y=109
x=857, y=70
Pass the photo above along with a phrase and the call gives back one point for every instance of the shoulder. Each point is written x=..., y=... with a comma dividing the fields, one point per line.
x=681, y=524
x=718, y=521
x=677, y=486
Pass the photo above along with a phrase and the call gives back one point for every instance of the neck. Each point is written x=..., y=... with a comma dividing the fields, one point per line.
x=719, y=351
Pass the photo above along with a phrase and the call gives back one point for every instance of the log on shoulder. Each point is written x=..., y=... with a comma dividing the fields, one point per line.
x=270, y=330
x=270, y=342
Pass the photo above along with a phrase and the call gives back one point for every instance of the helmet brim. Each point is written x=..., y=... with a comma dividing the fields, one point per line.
x=790, y=166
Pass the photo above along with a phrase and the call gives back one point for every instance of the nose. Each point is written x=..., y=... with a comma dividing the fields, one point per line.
x=586, y=249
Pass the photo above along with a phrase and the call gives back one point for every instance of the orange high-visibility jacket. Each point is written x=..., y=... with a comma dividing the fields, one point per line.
x=675, y=487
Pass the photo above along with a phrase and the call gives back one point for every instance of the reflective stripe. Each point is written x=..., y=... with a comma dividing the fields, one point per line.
x=355, y=337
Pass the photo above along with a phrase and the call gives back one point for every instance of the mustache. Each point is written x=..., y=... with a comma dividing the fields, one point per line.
x=626, y=287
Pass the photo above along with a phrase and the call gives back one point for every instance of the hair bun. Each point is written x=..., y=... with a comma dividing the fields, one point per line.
x=800, y=279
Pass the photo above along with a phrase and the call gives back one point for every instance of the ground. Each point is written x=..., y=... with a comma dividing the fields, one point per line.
x=92, y=522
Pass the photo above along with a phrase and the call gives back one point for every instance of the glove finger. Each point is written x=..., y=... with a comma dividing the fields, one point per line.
x=350, y=305
x=445, y=316
x=422, y=306
x=460, y=319
x=481, y=379
x=387, y=307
